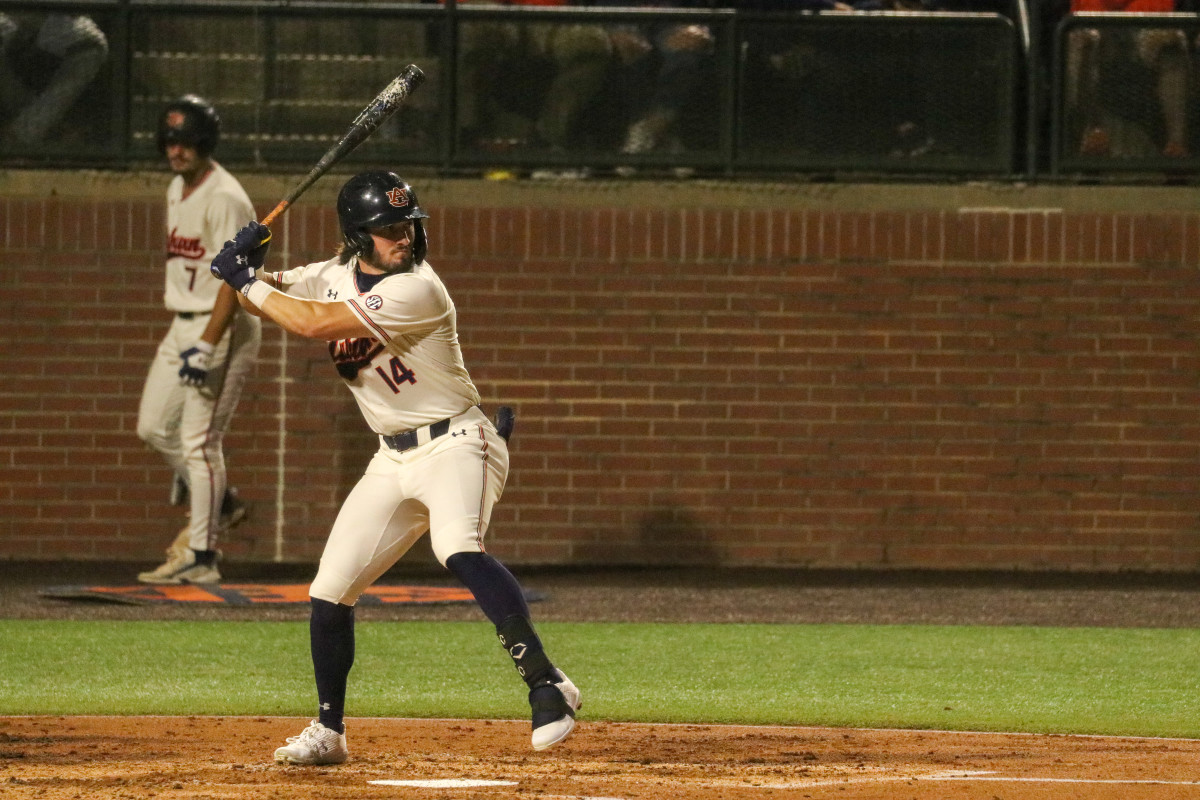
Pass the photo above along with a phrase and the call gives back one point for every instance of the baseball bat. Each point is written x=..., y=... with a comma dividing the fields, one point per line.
x=366, y=123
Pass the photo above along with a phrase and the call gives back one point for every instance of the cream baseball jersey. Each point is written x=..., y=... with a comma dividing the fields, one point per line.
x=197, y=228
x=410, y=373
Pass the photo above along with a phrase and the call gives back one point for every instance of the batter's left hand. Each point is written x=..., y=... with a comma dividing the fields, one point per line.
x=194, y=371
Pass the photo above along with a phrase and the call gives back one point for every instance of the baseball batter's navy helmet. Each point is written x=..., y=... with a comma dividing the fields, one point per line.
x=373, y=200
x=189, y=120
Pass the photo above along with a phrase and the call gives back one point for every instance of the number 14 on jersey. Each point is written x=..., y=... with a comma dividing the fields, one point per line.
x=400, y=375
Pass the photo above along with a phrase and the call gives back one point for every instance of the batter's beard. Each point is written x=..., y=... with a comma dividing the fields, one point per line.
x=404, y=266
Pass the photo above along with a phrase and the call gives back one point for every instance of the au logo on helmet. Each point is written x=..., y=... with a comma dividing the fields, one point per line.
x=397, y=197
x=176, y=119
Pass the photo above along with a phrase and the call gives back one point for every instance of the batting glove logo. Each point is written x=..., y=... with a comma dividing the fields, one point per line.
x=374, y=302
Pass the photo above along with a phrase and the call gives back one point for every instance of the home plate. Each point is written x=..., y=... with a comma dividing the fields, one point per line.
x=448, y=783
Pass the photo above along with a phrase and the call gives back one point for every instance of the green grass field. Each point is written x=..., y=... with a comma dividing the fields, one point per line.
x=1054, y=680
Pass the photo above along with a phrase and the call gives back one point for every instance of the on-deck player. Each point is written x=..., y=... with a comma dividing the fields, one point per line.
x=441, y=465
x=203, y=361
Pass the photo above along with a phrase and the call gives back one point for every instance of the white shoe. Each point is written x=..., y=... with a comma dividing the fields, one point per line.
x=316, y=745
x=181, y=568
x=176, y=560
x=178, y=549
x=567, y=698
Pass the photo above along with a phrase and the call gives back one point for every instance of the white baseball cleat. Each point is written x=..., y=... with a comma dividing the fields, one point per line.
x=181, y=567
x=554, y=706
x=176, y=556
x=316, y=745
x=178, y=549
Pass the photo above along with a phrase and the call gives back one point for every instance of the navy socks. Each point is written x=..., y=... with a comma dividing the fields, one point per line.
x=331, y=635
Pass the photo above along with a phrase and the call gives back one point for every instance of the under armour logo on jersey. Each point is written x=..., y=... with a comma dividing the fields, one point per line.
x=331, y=294
x=397, y=197
x=463, y=432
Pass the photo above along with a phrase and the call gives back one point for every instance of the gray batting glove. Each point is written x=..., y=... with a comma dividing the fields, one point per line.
x=194, y=371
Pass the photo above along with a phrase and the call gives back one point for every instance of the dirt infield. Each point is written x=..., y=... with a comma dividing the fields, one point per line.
x=206, y=758
x=213, y=758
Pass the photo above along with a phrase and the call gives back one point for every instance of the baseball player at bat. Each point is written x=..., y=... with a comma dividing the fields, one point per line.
x=203, y=361
x=441, y=465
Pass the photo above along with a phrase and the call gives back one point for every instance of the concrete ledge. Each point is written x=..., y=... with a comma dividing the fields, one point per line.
x=267, y=189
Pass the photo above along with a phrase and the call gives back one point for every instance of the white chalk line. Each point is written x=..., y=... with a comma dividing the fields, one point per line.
x=1013, y=779
x=475, y=783
x=444, y=783
x=950, y=775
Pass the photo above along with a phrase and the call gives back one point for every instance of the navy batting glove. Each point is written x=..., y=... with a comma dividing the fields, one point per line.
x=255, y=240
x=194, y=371
x=241, y=258
x=232, y=267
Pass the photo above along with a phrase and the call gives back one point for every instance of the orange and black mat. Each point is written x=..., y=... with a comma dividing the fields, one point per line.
x=251, y=594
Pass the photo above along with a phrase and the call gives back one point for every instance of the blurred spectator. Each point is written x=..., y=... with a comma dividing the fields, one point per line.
x=659, y=67
x=839, y=106
x=1128, y=87
x=673, y=68
x=47, y=61
x=580, y=56
x=525, y=84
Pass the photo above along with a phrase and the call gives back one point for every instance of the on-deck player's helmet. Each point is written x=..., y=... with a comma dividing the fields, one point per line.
x=375, y=199
x=189, y=120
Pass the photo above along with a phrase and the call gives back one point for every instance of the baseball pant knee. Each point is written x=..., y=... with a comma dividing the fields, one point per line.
x=448, y=545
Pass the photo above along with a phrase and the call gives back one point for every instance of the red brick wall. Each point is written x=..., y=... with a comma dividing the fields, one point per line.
x=967, y=389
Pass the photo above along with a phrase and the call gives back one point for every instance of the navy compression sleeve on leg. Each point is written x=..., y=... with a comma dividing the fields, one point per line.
x=331, y=636
x=495, y=589
x=503, y=602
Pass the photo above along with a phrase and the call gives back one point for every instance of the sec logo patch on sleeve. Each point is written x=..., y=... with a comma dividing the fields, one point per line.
x=374, y=302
